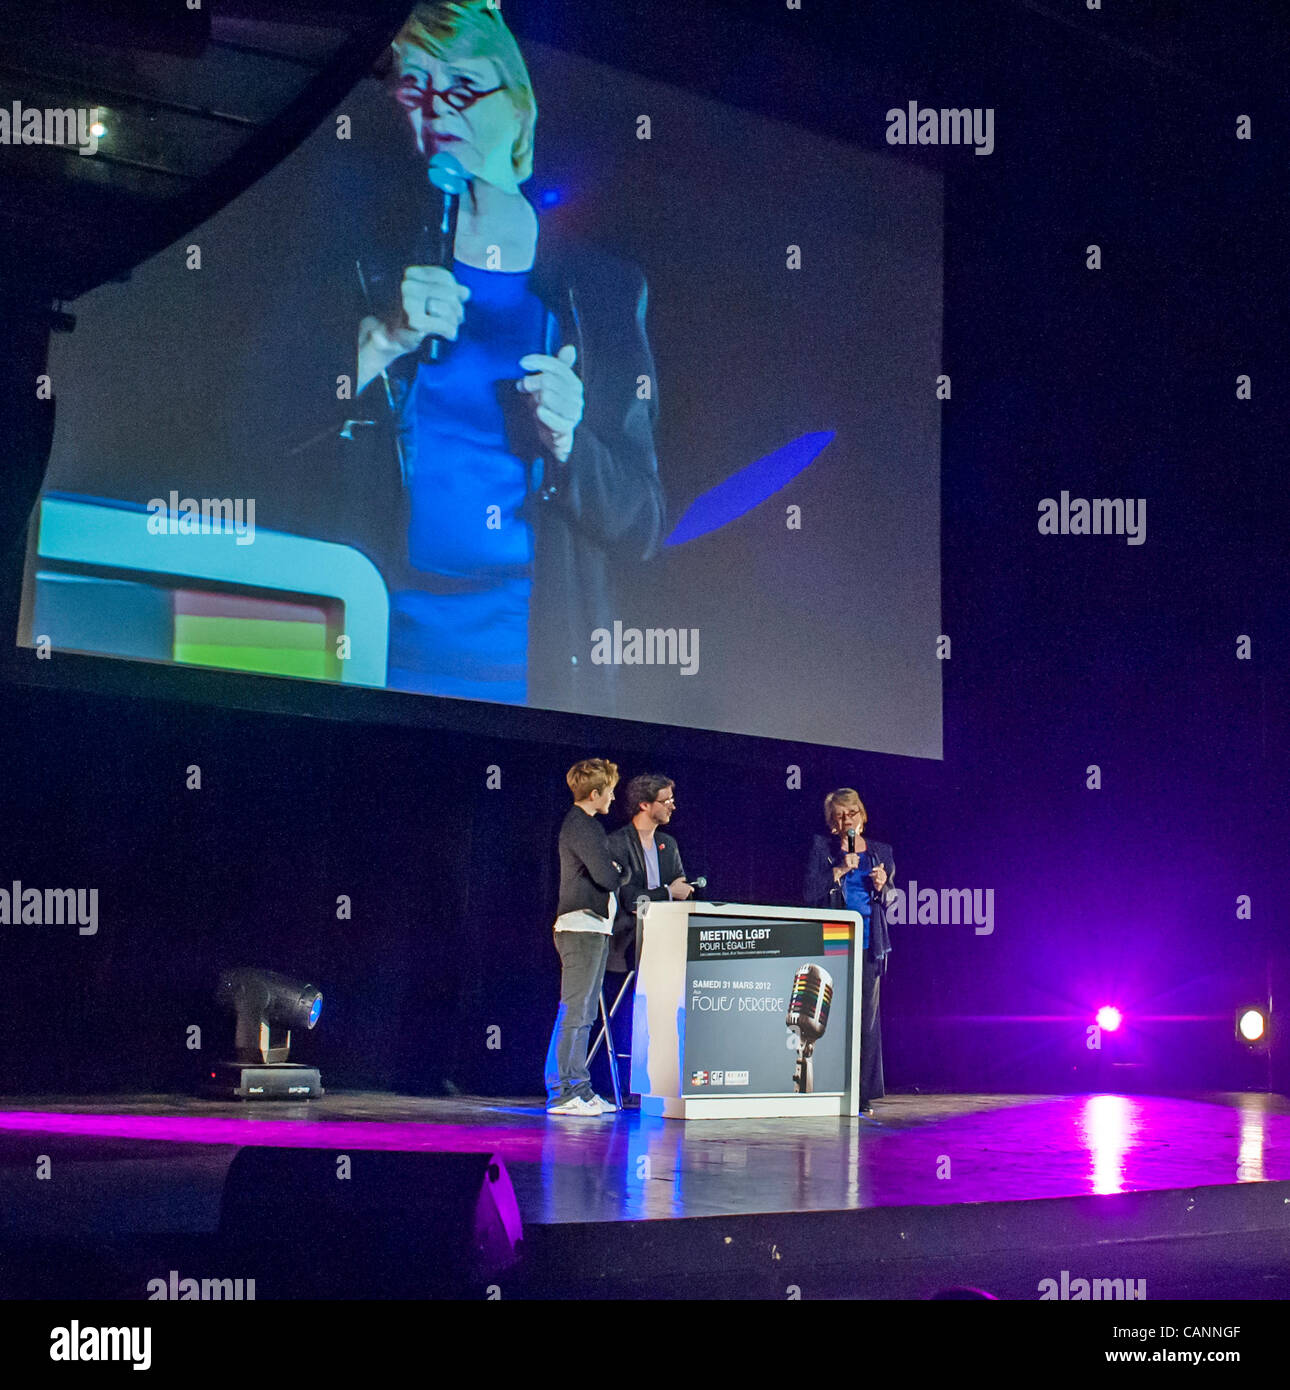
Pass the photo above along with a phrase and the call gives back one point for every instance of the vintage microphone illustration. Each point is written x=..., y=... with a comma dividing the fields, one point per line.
x=808, y=1016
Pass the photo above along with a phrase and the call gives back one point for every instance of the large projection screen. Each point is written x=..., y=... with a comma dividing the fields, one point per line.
x=744, y=535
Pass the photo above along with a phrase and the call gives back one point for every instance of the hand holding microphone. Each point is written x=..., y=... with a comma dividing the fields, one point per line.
x=433, y=303
x=431, y=298
x=850, y=859
x=430, y=310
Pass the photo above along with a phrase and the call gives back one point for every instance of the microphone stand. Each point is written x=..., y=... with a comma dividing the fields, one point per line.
x=804, y=1074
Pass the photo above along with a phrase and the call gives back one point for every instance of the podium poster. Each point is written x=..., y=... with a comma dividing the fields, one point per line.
x=739, y=984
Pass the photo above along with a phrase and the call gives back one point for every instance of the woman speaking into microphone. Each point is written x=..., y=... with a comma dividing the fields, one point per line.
x=519, y=453
x=849, y=871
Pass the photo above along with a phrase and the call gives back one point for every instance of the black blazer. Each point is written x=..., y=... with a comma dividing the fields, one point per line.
x=625, y=846
x=602, y=507
x=820, y=890
x=588, y=873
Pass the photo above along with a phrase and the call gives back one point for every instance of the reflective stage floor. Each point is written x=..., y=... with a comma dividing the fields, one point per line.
x=931, y=1187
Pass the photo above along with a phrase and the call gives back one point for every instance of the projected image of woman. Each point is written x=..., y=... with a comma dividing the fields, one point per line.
x=526, y=454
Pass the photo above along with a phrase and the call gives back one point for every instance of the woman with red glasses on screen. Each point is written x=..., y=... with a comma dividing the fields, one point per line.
x=524, y=450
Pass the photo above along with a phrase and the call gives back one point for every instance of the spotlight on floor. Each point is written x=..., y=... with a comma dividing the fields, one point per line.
x=1109, y=1018
x=1252, y=1026
x=263, y=1001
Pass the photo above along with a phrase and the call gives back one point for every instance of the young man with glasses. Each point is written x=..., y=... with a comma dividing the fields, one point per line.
x=655, y=871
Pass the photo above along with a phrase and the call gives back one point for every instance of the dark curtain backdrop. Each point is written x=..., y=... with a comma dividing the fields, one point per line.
x=1066, y=652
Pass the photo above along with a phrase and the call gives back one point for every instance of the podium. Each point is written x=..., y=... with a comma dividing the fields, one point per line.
x=744, y=1011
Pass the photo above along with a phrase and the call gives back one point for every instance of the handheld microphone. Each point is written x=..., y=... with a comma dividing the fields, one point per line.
x=700, y=882
x=808, y=1017
x=851, y=842
x=448, y=181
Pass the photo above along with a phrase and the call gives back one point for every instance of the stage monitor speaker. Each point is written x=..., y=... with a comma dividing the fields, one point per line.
x=363, y=1223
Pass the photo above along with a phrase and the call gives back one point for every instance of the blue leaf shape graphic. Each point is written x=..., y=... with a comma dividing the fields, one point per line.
x=748, y=488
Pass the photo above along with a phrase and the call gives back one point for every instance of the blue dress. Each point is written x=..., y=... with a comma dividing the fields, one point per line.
x=856, y=886
x=463, y=630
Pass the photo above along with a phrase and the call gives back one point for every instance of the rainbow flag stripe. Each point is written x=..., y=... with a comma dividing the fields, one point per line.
x=837, y=938
x=284, y=637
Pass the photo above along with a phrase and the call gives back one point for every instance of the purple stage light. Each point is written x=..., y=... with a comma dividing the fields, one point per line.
x=1109, y=1018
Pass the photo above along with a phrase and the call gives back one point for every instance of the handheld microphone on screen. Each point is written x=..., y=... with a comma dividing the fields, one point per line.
x=808, y=1016
x=448, y=181
x=700, y=882
x=851, y=842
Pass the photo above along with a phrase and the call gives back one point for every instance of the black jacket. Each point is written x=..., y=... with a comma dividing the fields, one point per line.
x=625, y=846
x=603, y=506
x=588, y=873
x=821, y=891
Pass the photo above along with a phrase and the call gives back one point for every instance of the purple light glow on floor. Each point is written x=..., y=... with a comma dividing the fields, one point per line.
x=291, y=1134
x=1004, y=1148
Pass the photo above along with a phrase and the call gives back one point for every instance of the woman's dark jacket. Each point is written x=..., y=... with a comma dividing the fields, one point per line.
x=821, y=891
x=603, y=506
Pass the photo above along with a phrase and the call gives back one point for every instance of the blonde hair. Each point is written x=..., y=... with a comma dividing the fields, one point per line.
x=844, y=796
x=474, y=29
x=591, y=775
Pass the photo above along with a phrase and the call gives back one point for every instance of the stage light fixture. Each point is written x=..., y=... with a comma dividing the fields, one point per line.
x=1252, y=1025
x=1109, y=1018
x=264, y=1001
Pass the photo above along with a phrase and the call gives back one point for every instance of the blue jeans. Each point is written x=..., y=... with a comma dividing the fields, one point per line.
x=582, y=970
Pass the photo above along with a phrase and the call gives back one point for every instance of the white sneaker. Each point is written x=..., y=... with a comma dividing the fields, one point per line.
x=575, y=1105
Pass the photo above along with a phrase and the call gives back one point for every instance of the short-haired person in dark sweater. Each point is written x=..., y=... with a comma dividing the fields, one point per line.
x=589, y=882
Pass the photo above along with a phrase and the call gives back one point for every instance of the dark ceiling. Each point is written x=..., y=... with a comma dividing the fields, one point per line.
x=198, y=104
x=195, y=106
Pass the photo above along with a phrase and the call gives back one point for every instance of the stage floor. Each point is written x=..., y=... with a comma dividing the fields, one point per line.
x=1190, y=1194
x=142, y=1164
